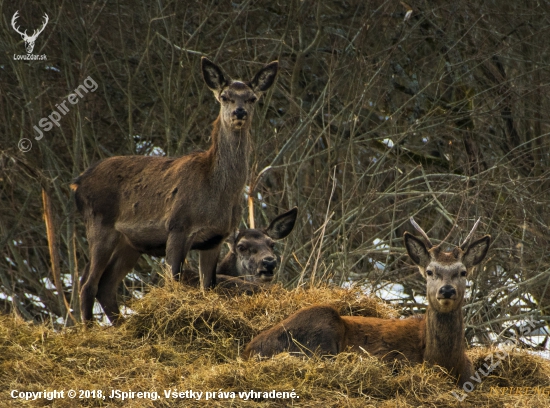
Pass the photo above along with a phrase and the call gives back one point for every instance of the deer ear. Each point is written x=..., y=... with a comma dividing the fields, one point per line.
x=213, y=76
x=476, y=252
x=417, y=250
x=265, y=78
x=282, y=225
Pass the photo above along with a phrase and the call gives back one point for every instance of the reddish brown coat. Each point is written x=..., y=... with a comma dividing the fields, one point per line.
x=162, y=206
x=320, y=329
x=437, y=337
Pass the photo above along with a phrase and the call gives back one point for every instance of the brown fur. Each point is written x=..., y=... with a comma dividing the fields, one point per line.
x=135, y=205
x=437, y=337
x=320, y=329
x=251, y=260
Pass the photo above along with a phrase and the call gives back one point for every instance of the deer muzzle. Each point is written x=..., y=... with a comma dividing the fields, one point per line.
x=239, y=118
x=240, y=113
x=446, y=295
x=267, y=269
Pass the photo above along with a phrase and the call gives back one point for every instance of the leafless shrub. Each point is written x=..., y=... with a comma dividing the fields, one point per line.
x=380, y=113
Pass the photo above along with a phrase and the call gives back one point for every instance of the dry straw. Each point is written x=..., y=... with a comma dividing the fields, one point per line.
x=180, y=338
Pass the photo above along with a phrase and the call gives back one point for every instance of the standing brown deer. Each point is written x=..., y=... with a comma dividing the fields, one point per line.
x=437, y=337
x=163, y=206
x=251, y=260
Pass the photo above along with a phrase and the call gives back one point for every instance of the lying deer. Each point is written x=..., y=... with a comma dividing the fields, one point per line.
x=163, y=206
x=437, y=337
x=251, y=261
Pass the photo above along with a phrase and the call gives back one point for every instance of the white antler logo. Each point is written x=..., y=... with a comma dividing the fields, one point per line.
x=29, y=40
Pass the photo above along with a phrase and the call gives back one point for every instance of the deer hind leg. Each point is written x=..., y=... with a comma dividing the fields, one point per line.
x=316, y=329
x=208, y=259
x=101, y=248
x=122, y=261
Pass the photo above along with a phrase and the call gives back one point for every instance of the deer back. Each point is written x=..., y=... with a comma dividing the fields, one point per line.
x=387, y=339
x=320, y=329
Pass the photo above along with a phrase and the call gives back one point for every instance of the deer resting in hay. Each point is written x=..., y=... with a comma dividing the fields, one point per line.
x=251, y=261
x=437, y=337
x=164, y=206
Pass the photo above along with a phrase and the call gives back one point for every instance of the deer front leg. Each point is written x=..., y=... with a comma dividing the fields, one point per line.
x=178, y=245
x=466, y=372
x=208, y=259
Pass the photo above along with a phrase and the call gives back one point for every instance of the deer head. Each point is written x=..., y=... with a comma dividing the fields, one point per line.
x=29, y=40
x=237, y=98
x=254, y=248
x=446, y=272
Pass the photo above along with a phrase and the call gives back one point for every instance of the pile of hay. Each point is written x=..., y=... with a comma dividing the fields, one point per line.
x=180, y=340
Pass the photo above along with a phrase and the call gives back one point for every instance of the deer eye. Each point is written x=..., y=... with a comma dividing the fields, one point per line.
x=252, y=100
x=272, y=245
x=429, y=272
x=463, y=273
x=241, y=248
x=224, y=98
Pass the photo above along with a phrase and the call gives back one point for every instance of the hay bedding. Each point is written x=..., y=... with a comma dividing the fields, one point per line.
x=181, y=340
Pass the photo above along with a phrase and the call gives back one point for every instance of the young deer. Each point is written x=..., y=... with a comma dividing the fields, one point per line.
x=251, y=260
x=162, y=206
x=437, y=337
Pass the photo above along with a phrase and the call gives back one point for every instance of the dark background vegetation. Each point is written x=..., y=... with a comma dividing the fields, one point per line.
x=382, y=111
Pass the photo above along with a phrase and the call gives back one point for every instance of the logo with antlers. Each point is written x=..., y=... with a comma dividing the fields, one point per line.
x=29, y=39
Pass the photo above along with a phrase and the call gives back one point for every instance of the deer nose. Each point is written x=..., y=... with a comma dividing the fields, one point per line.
x=240, y=113
x=269, y=263
x=447, y=291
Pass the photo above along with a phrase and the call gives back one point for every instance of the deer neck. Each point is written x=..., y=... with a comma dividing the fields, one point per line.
x=229, y=157
x=228, y=265
x=445, y=338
